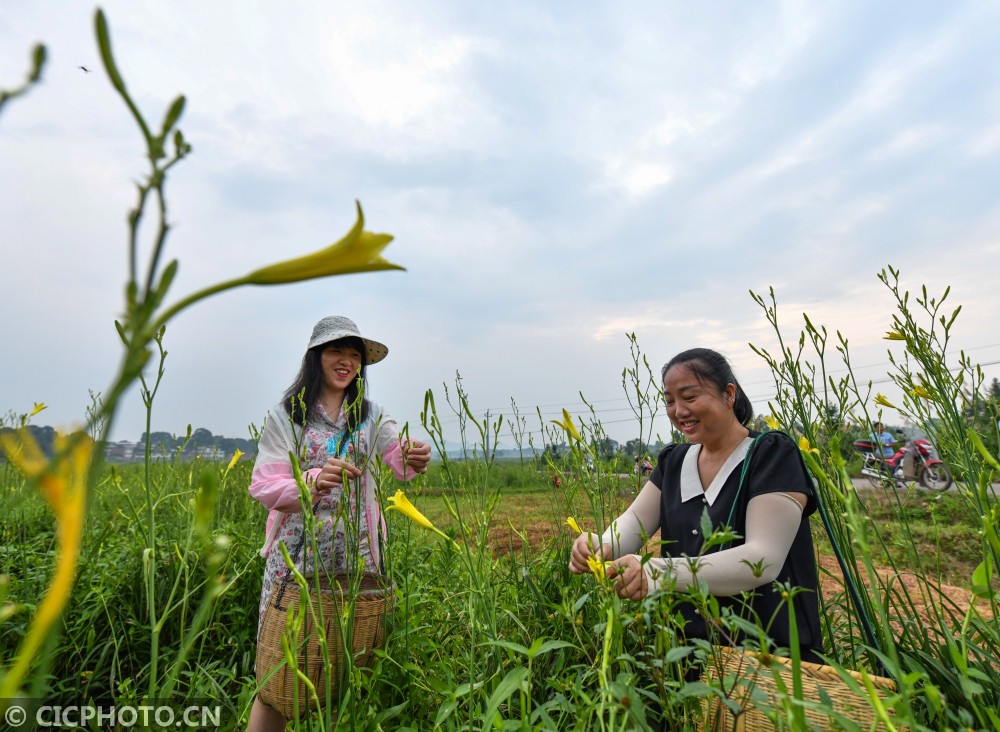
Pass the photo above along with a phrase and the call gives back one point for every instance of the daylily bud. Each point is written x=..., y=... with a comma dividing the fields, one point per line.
x=399, y=502
x=567, y=424
x=236, y=457
x=358, y=251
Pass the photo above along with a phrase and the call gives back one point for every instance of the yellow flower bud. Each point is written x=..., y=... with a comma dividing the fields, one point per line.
x=399, y=502
x=358, y=251
x=236, y=458
x=567, y=424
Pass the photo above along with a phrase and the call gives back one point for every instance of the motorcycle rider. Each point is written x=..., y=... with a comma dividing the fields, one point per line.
x=883, y=439
x=890, y=454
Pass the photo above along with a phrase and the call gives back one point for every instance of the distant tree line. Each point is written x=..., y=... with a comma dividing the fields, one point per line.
x=196, y=441
x=193, y=443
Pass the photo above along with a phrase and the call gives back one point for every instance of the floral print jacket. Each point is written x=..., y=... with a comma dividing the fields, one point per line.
x=274, y=486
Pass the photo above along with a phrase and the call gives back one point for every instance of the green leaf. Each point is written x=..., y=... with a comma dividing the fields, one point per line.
x=467, y=688
x=169, y=272
x=511, y=683
x=121, y=333
x=537, y=649
x=173, y=114
x=706, y=524
x=982, y=578
x=510, y=646
x=445, y=711
x=677, y=653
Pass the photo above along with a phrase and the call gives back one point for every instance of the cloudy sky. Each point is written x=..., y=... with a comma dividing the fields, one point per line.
x=556, y=175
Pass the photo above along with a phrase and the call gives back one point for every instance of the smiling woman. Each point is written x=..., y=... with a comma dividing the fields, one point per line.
x=754, y=485
x=326, y=420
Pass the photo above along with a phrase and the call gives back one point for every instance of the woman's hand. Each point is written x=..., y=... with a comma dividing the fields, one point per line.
x=586, y=546
x=629, y=575
x=333, y=474
x=417, y=455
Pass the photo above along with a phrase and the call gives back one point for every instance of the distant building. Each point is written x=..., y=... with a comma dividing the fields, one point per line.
x=210, y=453
x=122, y=452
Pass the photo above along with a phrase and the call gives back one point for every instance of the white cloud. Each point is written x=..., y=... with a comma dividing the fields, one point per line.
x=638, y=178
x=986, y=142
x=555, y=177
x=908, y=142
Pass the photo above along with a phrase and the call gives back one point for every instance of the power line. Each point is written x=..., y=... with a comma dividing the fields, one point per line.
x=652, y=416
x=576, y=404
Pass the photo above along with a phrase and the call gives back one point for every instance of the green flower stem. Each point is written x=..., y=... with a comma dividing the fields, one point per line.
x=191, y=299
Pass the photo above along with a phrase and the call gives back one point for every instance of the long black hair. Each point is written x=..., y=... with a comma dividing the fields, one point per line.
x=309, y=384
x=712, y=366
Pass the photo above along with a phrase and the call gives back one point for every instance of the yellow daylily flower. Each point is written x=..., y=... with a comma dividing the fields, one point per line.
x=39, y=406
x=571, y=522
x=236, y=458
x=567, y=424
x=597, y=567
x=399, y=502
x=63, y=485
x=894, y=335
x=804, y=445
x=772, y=423
x=358, y=251
x=882, y=401
x=919, y=391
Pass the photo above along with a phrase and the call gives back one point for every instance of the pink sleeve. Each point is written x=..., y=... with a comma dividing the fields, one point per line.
x=393, y=457
x=273, y=485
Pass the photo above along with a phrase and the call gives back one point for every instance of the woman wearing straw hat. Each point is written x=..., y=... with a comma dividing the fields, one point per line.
x=755, y=484
x=326, y=419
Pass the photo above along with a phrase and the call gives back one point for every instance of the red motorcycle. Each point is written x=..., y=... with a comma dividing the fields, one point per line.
x=917, y=460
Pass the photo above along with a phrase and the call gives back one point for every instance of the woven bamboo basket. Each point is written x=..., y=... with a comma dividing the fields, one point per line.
x=743, y=674
x=274, y=676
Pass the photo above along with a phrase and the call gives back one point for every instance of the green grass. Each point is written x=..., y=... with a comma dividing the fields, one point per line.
x=104, y=645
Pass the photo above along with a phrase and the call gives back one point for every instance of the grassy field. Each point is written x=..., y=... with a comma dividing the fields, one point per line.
x=517, y=543
x=945, y=539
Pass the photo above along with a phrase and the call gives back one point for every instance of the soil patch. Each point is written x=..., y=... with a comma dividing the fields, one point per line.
x=924, y=597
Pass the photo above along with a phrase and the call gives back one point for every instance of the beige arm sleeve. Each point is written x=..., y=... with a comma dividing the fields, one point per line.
x=642, y=518
x=772, y=521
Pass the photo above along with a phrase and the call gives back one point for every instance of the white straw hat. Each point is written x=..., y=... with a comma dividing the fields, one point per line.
x=335, y=327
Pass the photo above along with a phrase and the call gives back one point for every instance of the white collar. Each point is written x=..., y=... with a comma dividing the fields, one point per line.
x=691, y=486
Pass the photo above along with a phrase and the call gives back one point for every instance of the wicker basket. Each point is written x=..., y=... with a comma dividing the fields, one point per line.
x=275, y=678
x=743, y=675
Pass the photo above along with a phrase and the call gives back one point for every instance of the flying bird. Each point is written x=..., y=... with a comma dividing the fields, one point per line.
x=84, y=68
